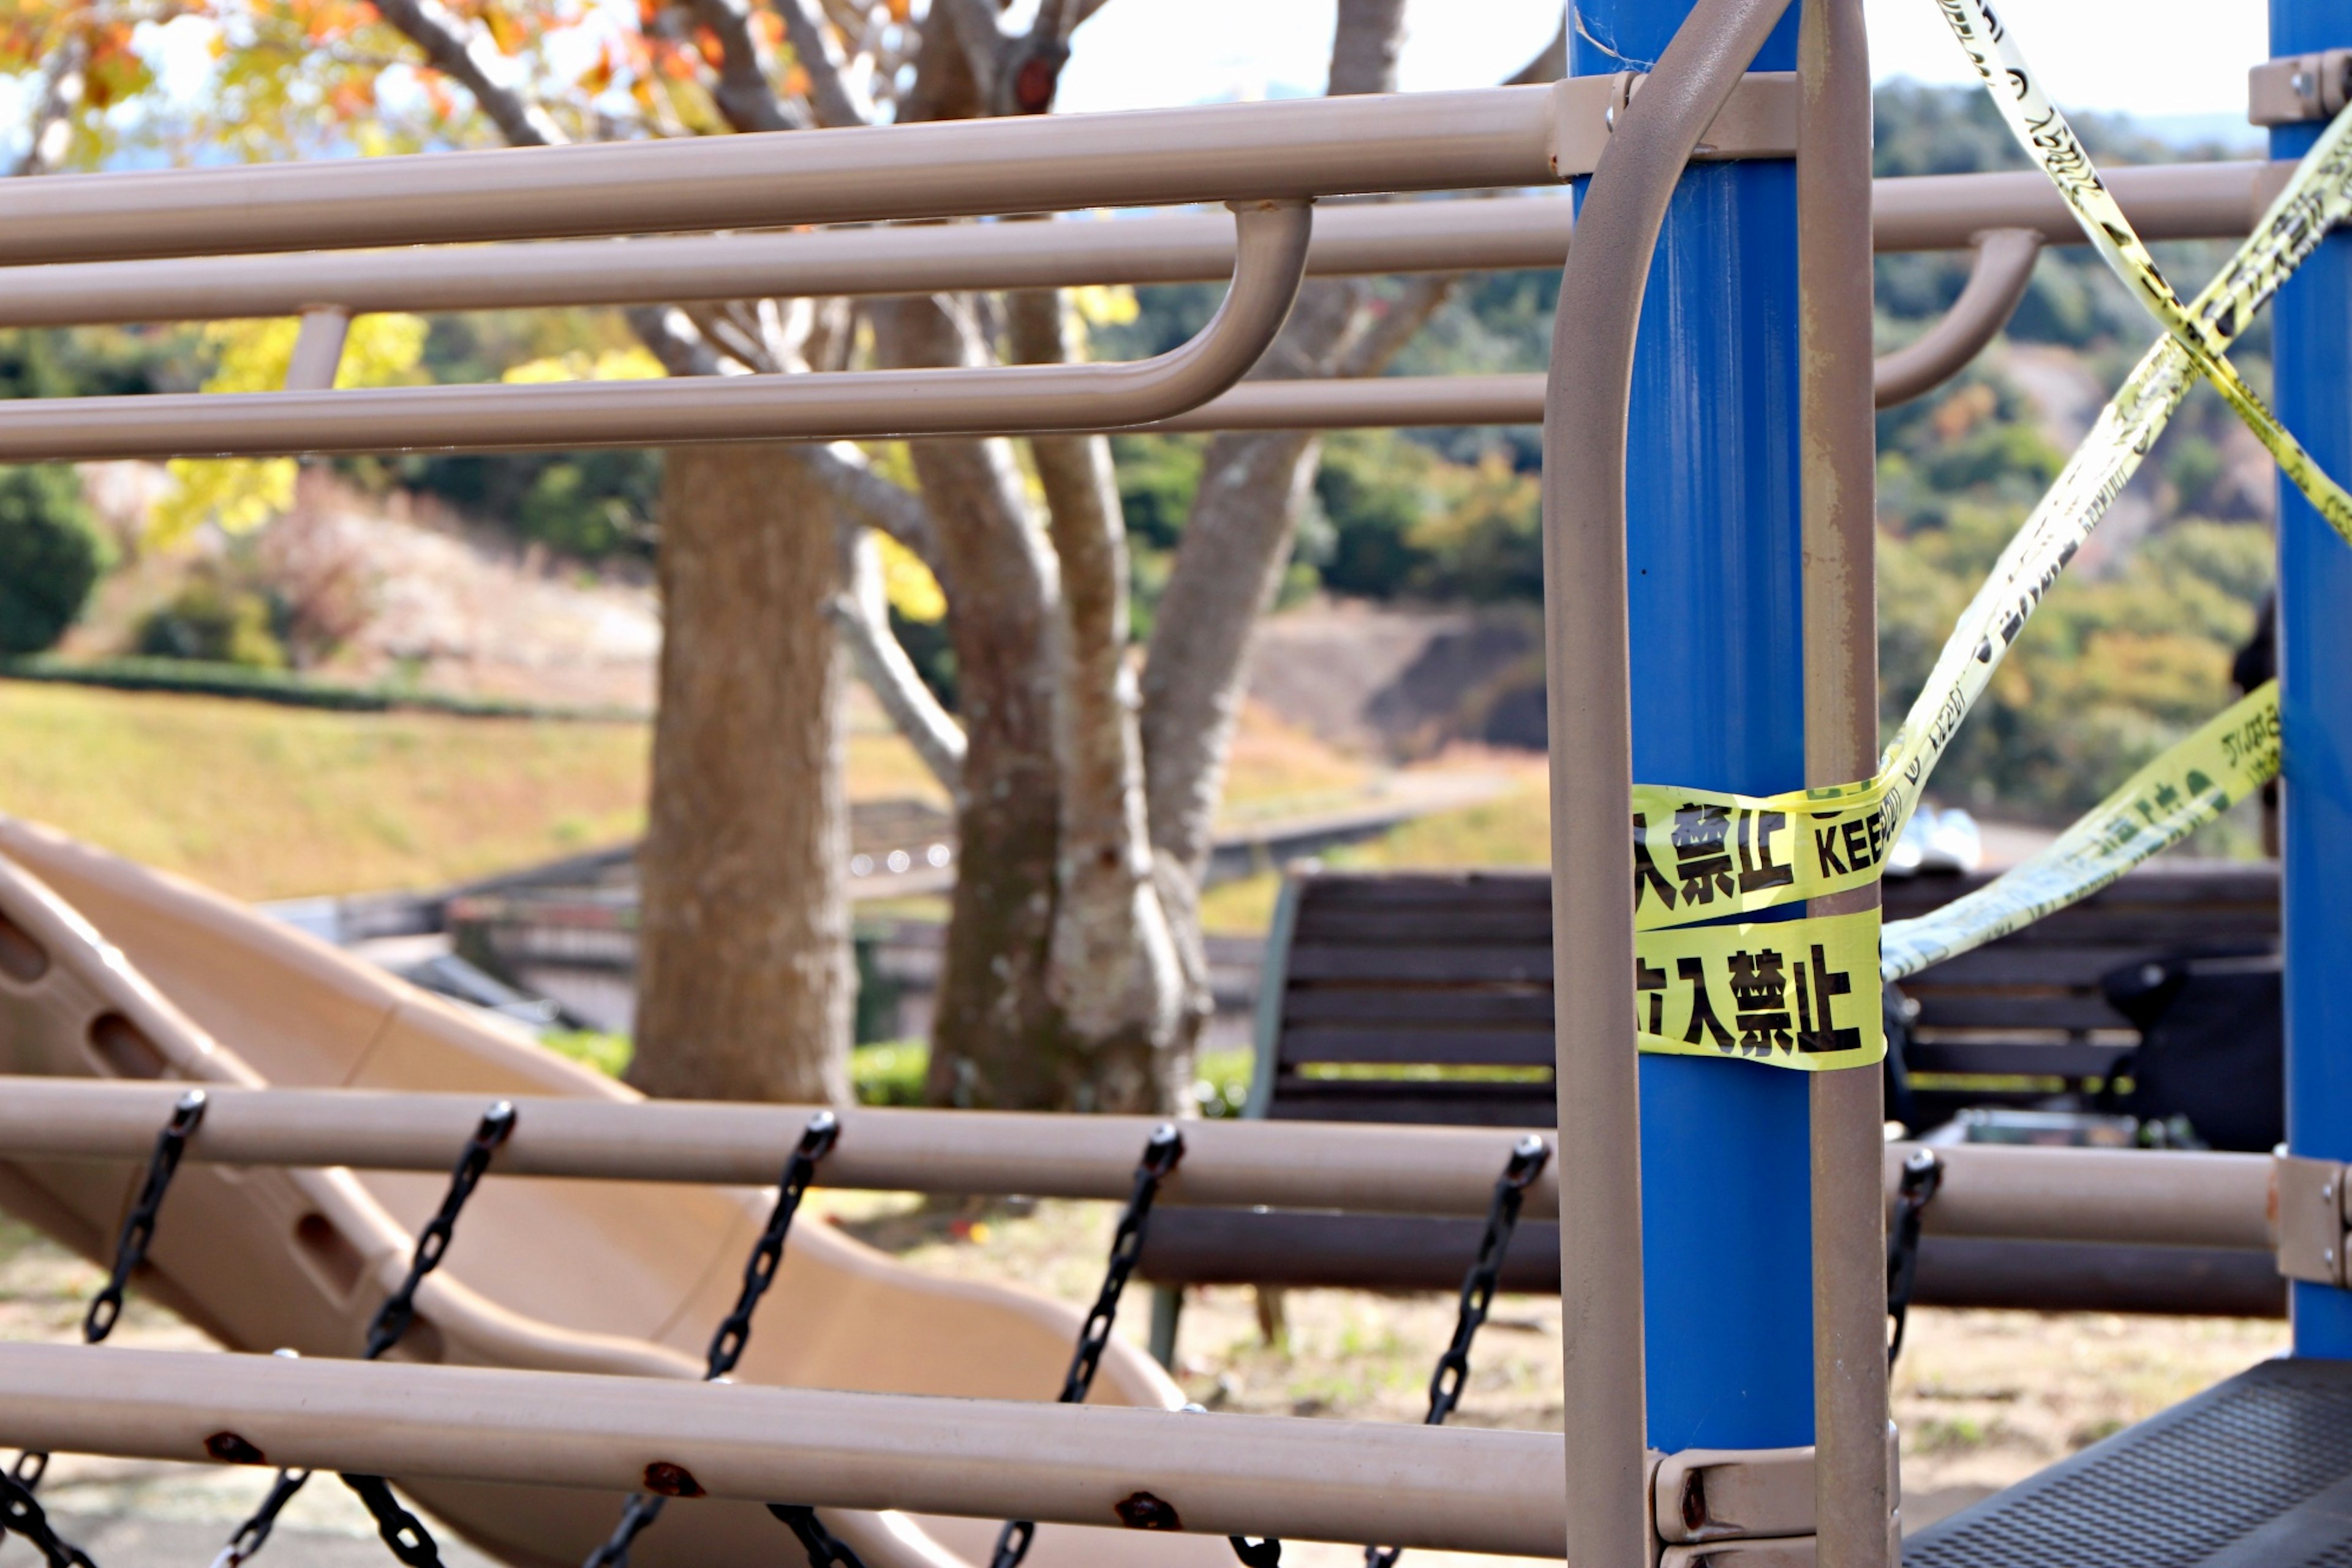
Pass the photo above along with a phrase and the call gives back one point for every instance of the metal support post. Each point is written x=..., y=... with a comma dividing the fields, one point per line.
x=1852, y=1511
x=2313, y=334
x=1715, y=612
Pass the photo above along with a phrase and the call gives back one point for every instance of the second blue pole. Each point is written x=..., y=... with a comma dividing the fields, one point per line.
x=1713, y=563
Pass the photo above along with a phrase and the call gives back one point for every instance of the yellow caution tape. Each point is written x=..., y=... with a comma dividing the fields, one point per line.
x=2050, y=142
x=2232, y=757
x=1705, y=855
x=1793, y=993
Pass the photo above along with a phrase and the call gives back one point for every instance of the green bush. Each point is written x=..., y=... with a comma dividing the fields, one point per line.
x=50, y=556
x=213, y=621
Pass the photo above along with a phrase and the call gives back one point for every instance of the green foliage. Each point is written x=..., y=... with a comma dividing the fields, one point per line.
x=1374, y=485
x=889, y=1073
x=96, y=362
x=2127, y=654
x=591, y=505
x=215, y=620
x=50, y=556
x=608, y=1054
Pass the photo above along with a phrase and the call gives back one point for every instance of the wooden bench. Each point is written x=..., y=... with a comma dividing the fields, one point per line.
x=1426, y=997
x=2036, y=1006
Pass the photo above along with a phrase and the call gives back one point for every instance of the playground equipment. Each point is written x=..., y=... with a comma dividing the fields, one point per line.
x=1691, y=1193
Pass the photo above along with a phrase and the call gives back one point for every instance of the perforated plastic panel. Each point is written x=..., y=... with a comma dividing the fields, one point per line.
x=2256, y=1473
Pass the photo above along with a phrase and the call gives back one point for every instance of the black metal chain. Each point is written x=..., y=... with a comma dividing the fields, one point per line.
x=399, y=1310
x=1922, y=1173
x=402, y=1530
x=139, y=1228
x=825, y=1550
x=1161, y=1152
x=130, y=1245
x=734, y=1332
x=254, y=1533
x=21, y=1513
x=1528, y=1157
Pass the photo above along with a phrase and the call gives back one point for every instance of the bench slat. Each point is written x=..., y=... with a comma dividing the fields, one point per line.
x=1422, y=965
x=1447, y=1045
x=2013, y=1058
x=1395, y=1005
x=1462, y=924
x=2017, y=1010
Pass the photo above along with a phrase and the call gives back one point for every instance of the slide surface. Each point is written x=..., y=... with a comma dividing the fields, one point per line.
x=110, y=970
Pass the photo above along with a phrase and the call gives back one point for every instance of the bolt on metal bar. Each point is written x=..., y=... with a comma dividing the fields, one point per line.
x=1445, y=1487
x=1270, y=250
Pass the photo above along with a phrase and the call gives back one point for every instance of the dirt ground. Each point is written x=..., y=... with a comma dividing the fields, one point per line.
x=1983, y=1398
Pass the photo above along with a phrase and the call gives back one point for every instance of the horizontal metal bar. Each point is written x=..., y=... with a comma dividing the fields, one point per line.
x=1395, y=1170
x=1456, y=1488
x=2162, y=1198
x=2165, y=201
x=1270, y=250
x=1293, y=149
x=1497, y=233
x=2157, y=1197
x=1371, y=401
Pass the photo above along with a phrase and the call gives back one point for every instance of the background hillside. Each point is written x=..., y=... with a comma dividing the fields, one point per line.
x=1410, y=623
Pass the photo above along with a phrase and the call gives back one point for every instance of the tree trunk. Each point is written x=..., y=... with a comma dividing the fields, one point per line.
x=998, y=1038
x=745, y=982
x=1116, y=969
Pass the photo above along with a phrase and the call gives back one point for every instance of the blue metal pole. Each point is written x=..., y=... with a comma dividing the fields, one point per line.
x=1715, y=618
x=2313, y=345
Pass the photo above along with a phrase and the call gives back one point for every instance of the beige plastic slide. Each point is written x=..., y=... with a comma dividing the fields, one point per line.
x=108, y=969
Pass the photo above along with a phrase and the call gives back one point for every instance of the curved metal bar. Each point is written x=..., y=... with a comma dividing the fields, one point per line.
x=1997, y=281
x=1587, y=680
x=1270, y=253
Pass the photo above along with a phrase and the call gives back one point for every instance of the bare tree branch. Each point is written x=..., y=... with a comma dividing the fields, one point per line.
x=467, y=55
x=1365, y=43
x=50, y=131
x=975, y=27
x=1115, y=962
x=863, y=615
x=746, y=94
x=671, y=333
x=1392, y=324
x=1551, y=63
x=831, y=94
x=1238, y=536
x=873, y=501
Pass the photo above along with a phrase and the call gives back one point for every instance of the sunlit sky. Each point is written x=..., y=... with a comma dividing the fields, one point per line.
x=2161, y=60
x=2130, y=55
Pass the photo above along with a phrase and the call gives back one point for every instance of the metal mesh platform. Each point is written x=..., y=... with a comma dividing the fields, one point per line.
x=2254, y=1473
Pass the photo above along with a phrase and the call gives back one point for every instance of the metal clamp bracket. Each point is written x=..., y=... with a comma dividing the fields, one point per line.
x=1759, y=121
x=1742, y=1507
x=2294, y=88
x=2308, y=1219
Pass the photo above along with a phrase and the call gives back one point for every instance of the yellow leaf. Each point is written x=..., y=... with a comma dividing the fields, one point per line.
x=235, y=494
x=909, y=584
x=1104, y=304
x=633, y=363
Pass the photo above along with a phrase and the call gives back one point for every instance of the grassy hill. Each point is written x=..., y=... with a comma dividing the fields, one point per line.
x=269, y=802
